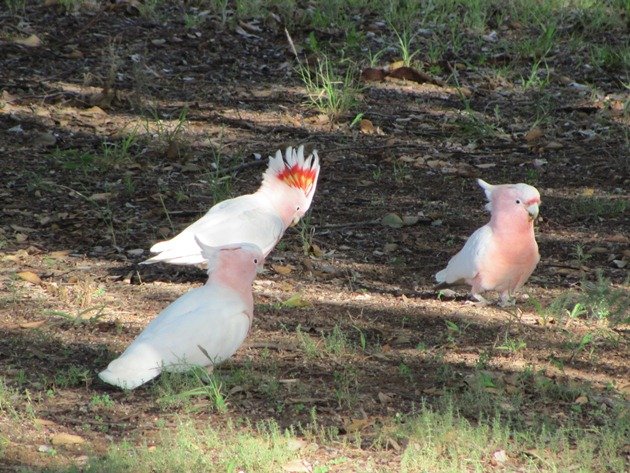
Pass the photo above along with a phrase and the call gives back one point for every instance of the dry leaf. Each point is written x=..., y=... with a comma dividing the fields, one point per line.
x=36, y=324
x=410, y=74
x=373, y=74
x=554, y=145
x=297, y=466
x=390, y=247
x=384, y=398
x=43, y=139
x=316, y=251
x=282, y=269
x=295, y=301
x=499, y=456
x=32, y=41
x=410, y=219
x=20, y=237
x=296, y=444
x=66, y=439
x=392, y=220
x=356, y=425
x=534, y=134
x=581, y=400
x=239, y=30
x=100, y=196
x=30, y=277
x=367, y=127
x=43, y=422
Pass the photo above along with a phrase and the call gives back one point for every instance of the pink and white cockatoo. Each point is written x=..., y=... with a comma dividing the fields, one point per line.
x=203, y=327
x=502, y=254
x=260, y=218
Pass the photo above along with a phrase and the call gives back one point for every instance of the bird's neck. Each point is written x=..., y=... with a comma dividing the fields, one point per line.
x=510, y=224
x=278, y=200
x=236, y=281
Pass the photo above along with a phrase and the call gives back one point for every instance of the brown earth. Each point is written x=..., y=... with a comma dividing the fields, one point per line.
x=74, y=219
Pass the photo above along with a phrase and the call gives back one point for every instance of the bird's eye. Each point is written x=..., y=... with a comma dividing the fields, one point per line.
x=518, y=201
x=255, y=260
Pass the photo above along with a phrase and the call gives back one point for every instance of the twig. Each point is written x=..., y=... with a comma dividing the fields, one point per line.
x=366, y=223
x=240, y=167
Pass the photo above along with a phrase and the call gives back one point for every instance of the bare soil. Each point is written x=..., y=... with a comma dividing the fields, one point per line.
x=75, y=221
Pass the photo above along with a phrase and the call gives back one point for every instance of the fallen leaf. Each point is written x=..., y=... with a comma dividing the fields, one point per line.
x=447, y=293
x=581, y=400
x=392, y=220
x=366, y=126
x=297, y=466
x=554, y=145
x=485, y=165
x=373, y=74
x=36, y=324
x=295, y=444
x=499, y=456
x=356, y=425
x=100, y=196
x=534, y=134
x=413, y=75
x=44, y=139
x=43, y=422
x=32, y=41
x=239, y=30
x=491, y=37
x=390, y=247
x=384, y=398
x=295, y=301
x=282, y=269
x=66, y=439
x=30, y=277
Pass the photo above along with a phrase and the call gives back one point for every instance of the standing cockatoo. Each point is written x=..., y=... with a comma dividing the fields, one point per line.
x=502, y=254
x=260, y=218
x=203, y=327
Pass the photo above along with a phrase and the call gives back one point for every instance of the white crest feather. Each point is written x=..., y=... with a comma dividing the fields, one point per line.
x=487, y=188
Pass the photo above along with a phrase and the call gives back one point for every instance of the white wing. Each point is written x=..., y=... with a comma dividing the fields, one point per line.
x=211, y=317
x=465, y=264
x=239, y=220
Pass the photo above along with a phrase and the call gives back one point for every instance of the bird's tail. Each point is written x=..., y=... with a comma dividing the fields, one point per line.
x=440, y=277
x=132, y=369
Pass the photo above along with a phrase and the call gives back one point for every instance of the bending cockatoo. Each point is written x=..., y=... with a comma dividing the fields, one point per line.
x=260, y=218
x=203, y=327
x=502, y=254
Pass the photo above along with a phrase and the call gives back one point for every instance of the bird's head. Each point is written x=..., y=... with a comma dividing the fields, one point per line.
x=512, y=200
x=293, y=172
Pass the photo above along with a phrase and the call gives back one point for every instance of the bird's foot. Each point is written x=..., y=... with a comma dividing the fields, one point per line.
x=478, y=300
x=507, y=301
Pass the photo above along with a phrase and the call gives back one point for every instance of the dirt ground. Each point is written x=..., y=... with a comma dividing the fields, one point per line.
x=94, y=170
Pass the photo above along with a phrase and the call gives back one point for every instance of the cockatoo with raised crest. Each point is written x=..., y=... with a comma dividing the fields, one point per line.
x=260, y=218
x=501, y=255
x=202, y=328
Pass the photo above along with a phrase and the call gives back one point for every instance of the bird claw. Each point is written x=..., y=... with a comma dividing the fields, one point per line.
x=478, y=301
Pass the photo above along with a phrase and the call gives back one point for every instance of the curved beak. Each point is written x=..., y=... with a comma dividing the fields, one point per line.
x=533, y=210
x=295, y=221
